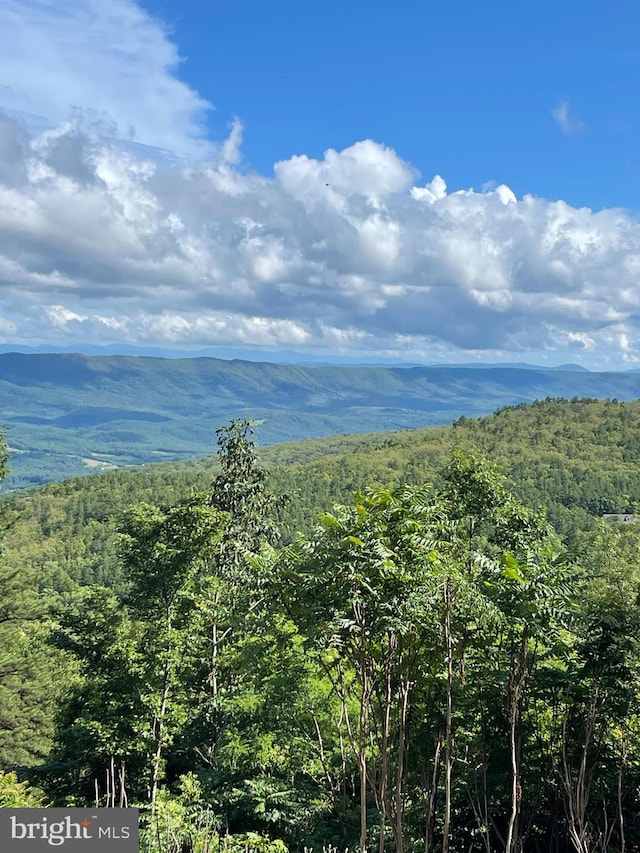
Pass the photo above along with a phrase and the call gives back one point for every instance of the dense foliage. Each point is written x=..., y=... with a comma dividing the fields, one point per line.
x=429, y=667
x=577, y=458
x=31, y=673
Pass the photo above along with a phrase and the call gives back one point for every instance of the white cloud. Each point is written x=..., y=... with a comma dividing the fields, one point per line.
x=433, y=191
x=108, y=63
x=580, y=340
x=60, y=317
x=106, y=241
x=343, y=252
x=566, y=119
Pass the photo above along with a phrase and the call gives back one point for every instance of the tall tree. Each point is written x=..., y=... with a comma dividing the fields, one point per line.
x=501, y=554
x=240, y=489
x=188, y=593
x=361, y=593
x=231, y=590
x=163, y=553
x=138, y=654
x=599, y=735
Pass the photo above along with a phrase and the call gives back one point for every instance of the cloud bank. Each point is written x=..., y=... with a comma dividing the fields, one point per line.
x=106, y=241
x=347, y=253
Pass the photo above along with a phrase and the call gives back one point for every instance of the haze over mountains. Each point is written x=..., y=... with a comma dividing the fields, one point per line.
x=263, y=355
x=67, y=414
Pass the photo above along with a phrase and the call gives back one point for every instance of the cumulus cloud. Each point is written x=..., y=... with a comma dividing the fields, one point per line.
x=106, y=64
x=104, y=237
x=348, y=252
x=566, y=119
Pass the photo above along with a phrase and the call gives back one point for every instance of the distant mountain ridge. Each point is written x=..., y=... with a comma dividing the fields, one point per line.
x=262, y=355
x=68, y=413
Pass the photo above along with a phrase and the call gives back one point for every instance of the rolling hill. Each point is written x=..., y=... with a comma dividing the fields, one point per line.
x=68, y=414
x=578, y=458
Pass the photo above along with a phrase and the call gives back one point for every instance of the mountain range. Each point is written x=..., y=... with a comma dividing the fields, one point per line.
x=265, y=355
x=69, y=413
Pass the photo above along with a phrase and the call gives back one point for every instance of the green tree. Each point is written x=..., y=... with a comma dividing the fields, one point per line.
x=18, y=795
x=597, y=764
x=159, y=664
x=31, y=673
x=361, y=592
x=231, y=594
x=137, y=655
x=505, y=596
x=163, y=553
x=103, y=714
x=240, y=490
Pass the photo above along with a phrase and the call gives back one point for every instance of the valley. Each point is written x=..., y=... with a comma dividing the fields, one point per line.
x=60, y=409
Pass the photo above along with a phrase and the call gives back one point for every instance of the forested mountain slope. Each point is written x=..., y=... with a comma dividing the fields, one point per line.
x=68, y=414
x=579, y=458
x=433, y=663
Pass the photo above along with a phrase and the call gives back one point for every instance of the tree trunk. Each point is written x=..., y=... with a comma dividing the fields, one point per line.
x=362, y=763
x=213, y=675
x=402, y=733
x=577, y=792
x=160, y=718
x=433, y=793
x=384, y=757
x=159, y=731
x=516, y=680
x=623, y=757
x=449, y=721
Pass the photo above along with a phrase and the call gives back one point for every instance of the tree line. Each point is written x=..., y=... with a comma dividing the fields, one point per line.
x=432, y=667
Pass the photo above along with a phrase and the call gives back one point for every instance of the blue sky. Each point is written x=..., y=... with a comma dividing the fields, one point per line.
x=430, y=181
x=465, y=89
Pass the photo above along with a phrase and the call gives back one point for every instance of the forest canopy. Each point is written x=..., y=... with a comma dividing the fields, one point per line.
x=446, y=658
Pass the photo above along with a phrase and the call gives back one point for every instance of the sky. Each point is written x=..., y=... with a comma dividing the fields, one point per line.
x=426, y=181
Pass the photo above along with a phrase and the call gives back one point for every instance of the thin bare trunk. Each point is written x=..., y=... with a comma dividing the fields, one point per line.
x=449, y=719
x=384, y=758
x=213, y=675
x=433, y=793
x=516, y=680
x=124, y=800
x=480, y=806
x=402, y=734
x=322, y=755
x=623, y=756
x=159, y=726
x=515, y=799
x=343, y=754
x=157, y=756
x=362, y=763
x=577, y=792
